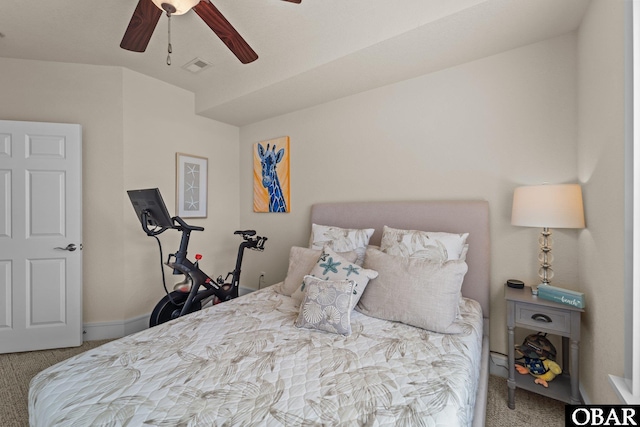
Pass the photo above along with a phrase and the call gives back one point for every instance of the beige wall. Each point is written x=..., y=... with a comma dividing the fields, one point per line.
x=91, y=96
x=474, y=131
x=159, y=120
x=132, y=127
x=601, y=170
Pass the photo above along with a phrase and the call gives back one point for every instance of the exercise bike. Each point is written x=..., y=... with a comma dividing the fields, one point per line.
x=197, y=288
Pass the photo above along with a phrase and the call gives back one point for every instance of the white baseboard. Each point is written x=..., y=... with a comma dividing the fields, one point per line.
x=118, y=329
x=498, y=365
x=243, y=291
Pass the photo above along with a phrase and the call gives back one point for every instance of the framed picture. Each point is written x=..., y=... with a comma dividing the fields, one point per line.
x=271, y=176
x=191, y=186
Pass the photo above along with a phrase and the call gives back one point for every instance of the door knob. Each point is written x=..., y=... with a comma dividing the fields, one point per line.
x=70, y=247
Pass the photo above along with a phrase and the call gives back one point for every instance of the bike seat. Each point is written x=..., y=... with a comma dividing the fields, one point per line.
x=246, y=232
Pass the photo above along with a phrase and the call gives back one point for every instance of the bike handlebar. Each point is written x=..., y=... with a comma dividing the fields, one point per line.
x=246, y=234
x=255, y=243
x=186, y=226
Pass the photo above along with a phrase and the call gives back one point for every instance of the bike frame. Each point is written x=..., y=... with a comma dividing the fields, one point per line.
x=182, y=265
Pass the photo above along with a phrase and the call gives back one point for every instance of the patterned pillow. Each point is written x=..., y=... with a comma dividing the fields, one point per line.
x=326, y=305
x=417, y=291
x=438, y=246
x=301, y=262
x=334, y=266
x=341, y=239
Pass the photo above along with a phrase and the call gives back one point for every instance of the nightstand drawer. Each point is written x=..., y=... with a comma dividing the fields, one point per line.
x=535, y=316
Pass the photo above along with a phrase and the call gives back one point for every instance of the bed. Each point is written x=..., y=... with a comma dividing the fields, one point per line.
x=255, y=360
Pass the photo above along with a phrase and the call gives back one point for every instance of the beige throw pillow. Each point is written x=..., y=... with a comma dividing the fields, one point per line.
x=418, y=292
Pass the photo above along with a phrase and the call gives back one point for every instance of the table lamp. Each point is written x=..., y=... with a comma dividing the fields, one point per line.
x=547, y=206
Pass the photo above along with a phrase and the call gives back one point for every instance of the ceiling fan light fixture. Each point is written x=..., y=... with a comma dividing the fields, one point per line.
x=176, y=7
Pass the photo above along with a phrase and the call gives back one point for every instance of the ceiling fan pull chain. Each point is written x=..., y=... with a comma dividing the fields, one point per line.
x=169, y=49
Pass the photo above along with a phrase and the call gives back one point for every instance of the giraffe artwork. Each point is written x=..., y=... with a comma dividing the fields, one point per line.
x=271, y=176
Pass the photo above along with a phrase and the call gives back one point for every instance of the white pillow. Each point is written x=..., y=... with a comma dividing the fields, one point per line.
x=326, y=305
x=416, y=291
x=439, y=246
x=301, y=262
x=341, y=239
x=334, y=266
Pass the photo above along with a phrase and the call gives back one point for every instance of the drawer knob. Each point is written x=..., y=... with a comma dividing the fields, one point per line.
x=539, y=317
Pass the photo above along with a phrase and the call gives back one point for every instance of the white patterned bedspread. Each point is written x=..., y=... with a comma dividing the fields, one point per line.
x=243, y=363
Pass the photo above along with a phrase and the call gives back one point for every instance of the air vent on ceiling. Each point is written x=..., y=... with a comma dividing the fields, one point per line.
x=196, y=65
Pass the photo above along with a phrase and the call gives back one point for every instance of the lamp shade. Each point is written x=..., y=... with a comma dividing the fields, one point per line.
x=551, y=206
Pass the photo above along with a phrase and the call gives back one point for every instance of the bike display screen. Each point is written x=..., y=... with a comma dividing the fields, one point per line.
x=150, y=202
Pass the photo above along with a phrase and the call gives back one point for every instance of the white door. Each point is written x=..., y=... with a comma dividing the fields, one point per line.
x=40, y=225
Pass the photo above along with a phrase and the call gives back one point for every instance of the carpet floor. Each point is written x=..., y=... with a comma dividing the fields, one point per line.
x=17, y=369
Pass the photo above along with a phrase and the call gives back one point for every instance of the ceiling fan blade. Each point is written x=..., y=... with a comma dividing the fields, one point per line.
x=294, y=1
x=223, y=29
x=143, y=22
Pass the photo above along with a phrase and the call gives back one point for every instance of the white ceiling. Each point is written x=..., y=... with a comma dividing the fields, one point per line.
x=309, y=53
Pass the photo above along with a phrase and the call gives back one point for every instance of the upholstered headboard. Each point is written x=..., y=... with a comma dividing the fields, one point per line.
x=451, y=216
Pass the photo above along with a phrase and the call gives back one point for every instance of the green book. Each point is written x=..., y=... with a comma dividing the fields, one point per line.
x=562, y=296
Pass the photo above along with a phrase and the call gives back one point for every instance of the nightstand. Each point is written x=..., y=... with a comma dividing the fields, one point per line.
x=525, y=310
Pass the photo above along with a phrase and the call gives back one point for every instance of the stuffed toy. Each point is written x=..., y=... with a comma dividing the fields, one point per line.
x=544, y=370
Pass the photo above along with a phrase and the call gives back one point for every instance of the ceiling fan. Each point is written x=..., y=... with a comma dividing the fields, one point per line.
x=147, y=13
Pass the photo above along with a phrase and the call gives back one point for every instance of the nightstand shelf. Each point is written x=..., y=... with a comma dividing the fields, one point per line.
x=559, y=388
x=525, y=310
